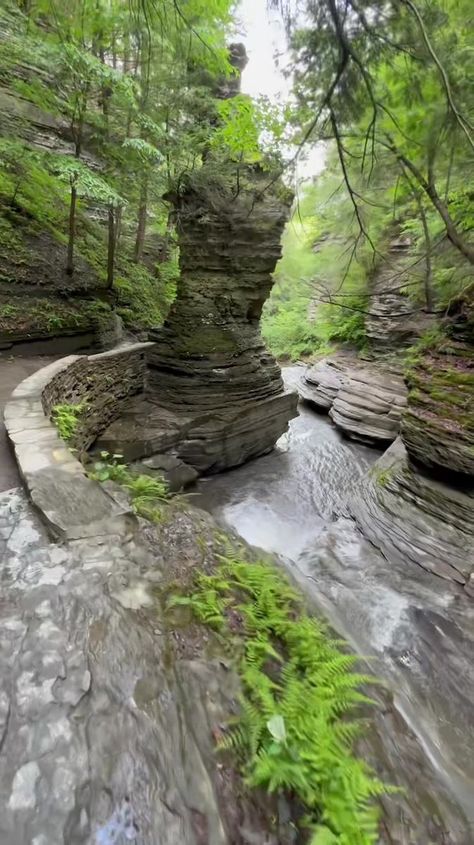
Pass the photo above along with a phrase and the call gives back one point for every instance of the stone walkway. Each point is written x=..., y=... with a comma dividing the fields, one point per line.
x=101, y=741
x=12, y=372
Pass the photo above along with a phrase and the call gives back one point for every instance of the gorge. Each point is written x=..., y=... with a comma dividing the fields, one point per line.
x=237, y=496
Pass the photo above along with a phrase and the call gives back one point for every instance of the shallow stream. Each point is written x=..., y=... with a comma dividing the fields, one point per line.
x=418, y=627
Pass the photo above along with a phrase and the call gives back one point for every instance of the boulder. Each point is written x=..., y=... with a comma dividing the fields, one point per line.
x=321, y=383
x=411, y=516
x=368, y=405
x=438, y=424
x=176, y=473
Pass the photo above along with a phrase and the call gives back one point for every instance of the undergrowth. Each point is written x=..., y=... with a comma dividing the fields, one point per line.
x=66, y=418
x=296, y=728
x=147, y=494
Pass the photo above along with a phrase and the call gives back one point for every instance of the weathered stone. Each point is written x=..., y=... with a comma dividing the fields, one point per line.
x=413, y=517
x=321, y=383
x=368, y=405
x=393, y=320
x=209, y=358
x=209, y=441
x=438, y=424
x=100, y=737
x=101, y=384
x=176, y=473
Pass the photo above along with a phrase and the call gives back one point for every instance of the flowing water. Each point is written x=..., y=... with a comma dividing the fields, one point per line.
x=417, y=628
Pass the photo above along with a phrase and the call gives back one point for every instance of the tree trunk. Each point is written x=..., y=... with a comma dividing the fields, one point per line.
x=141, y=225
x=118, y=227
x=72, y=231
x=111, y=248
x=429, y=297
x=429, y=188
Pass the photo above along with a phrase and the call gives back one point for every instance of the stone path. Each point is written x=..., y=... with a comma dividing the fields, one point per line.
x=101, y=741
x=12, y=371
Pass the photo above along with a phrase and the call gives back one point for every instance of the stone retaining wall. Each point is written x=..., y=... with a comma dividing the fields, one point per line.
x=102, y=383
x=72, y=505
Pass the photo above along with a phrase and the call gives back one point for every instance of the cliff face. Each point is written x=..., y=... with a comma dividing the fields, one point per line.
x=394, y=321
x=417, y=504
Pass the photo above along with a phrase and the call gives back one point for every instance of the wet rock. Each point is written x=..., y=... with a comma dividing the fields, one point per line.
x=412, y=517
x=176, y=473
x=419, y=632
x=207, y=441
x=322, y=382
x=438, y=423
x=369, y=404
x=104, y=739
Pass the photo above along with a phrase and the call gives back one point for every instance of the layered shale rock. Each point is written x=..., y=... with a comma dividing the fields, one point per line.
x=215, y=395
x=438, y=424
x=321, y=383
x=369, y=404
x=393, y=320
x=412, y=516
x=364, y=401
x=417, y=504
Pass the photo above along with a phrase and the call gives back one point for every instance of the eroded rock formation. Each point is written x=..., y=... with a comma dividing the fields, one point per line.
x=417, y=504
x=322, y=382
x=215, y=395
x=411, y=516
x=438, y=424
x=364, y=401
x=369, y=404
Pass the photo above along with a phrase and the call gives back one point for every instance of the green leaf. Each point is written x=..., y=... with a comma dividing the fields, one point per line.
x=276, y=726
x=324, y=836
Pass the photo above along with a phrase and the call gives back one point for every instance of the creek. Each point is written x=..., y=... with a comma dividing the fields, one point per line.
x=416, y=628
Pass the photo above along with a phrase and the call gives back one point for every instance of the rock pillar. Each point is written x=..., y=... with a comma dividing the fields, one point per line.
x=209, y=357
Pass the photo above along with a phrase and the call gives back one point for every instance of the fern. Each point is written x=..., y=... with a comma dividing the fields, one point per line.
x=146, y=493
x=66, y=418
x=294, y=732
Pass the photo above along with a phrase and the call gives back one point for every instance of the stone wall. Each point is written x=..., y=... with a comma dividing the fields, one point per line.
x=71, y=504
x=101, y=383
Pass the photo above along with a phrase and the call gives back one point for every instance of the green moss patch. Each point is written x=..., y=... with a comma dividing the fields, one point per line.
x=47, y=315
